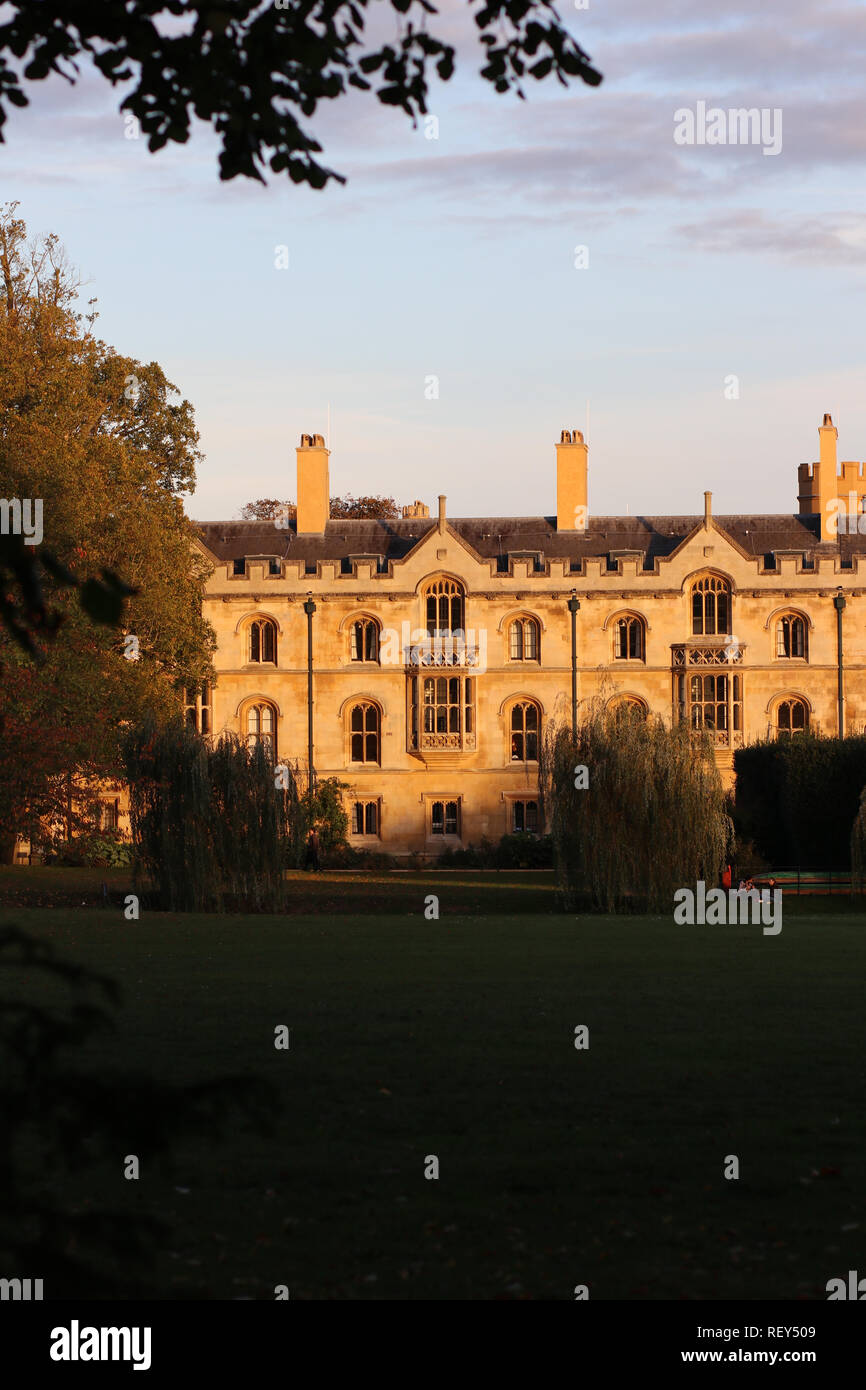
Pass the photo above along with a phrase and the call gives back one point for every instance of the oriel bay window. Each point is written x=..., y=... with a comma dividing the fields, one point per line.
x=442, y=712
x=712, y=702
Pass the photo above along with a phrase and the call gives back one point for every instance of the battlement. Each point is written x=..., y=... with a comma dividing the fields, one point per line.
x=829, y=489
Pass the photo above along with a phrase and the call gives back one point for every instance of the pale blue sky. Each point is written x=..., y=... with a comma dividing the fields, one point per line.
x=454, y=258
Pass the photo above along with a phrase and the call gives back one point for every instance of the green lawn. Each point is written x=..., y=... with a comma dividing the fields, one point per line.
x=455, y=1038
x=473, y=892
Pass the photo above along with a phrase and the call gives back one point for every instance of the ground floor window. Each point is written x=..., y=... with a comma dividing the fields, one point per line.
x=524, y=817
x=365, y=818
x=445, y=818
x=197, y=708
x=261, y=728
x=792, y=717
x=108, y=815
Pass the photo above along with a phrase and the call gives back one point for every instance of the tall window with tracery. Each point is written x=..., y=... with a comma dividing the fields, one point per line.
x=792, y=717
x=445, y=716
x=712, y=702
x=444, y=606
x=711, y=606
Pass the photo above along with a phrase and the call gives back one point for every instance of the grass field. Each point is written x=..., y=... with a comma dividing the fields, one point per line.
x=455, y=1038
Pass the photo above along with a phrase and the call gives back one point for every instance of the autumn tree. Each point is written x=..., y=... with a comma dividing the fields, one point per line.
x=364, y=508
x=252, y=68
x=374, y=508
x=268, y=509
x=103, y=445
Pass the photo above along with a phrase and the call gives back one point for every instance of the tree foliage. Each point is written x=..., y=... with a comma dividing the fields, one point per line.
x=209, y=821
x=779, y=786
x=268, y=509
x=101, y=444
x=858, y=846
x=252, y=68
x=364, y=508
x=651, y=818
x=322, y=807
x=348, y=507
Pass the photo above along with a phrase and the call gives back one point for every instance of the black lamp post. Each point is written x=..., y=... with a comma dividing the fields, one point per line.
x=573, y=606
x=839, y=605
x=309, y=609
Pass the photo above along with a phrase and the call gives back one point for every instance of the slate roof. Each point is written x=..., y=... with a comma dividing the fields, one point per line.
x=653, y=536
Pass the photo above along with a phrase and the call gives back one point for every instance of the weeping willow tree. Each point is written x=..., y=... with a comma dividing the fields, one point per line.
x=208, y=821
x=647, y=817
x=858, y=847
x=255, y=813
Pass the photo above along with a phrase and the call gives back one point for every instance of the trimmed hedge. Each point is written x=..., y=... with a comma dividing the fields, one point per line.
x=511, y=852
x=797, y=799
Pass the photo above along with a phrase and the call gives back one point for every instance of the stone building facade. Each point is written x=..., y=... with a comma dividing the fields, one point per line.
x=439, y=648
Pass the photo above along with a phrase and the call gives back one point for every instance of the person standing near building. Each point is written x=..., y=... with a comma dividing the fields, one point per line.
x=313, y=850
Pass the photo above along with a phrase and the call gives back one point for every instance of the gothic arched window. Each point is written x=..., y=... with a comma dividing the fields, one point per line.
x=791, y=636
x=263, y=640
x=629, y=642
x=711, y=606
x=364, y=732
x=523, y=640
x=524, y=726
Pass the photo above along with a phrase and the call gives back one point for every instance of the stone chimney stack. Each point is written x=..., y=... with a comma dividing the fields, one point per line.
x=314, y=499
x=571, y=482
x=827, y=489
